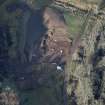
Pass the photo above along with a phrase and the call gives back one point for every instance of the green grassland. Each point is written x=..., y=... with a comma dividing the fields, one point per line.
x=74, y=24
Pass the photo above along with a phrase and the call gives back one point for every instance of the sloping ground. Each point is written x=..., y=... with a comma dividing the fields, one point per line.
x=57, y=43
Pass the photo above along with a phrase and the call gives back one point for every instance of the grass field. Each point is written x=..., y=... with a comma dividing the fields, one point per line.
x=74, y=23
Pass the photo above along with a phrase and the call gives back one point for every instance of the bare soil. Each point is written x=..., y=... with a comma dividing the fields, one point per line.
x=57, y=44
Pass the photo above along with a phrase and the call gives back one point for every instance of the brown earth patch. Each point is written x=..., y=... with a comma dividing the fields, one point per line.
x=56, y=44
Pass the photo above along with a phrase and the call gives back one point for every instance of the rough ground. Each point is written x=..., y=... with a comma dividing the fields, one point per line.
x=55, y=42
